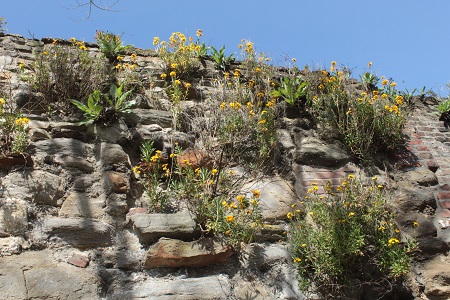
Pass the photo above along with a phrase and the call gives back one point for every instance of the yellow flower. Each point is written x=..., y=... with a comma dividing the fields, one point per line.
x=174, y=66
x=289, y=215
x=73, y=40
x=393, y=84
x=351, y=214
x=256, y=193
x=2, y=102
x=254, y=202
x=380, y=186
x=351, y=176
x=223, y=105
x=163, y=76
x=240, y=198
x=393, y=241
x=230, y=218
x=173, y=74
x=224, y=203
x=321, y=87
x=233, y=205
x=297, y=260
x=214, y=171
x=119, y=57
x=155, y=40
x=188, y=85
x=374, y=178
x=22, y=121
x=133, y=57
x=399, y=100
x=228, y=232
x=199, y=33
x=415, y=224
x=137, y=169
x=172, y=155
x=294, y=59
x=257, y=70
x=177, y=82
x=262, y=122
x=369, y=64
x=45, y=53
x=118, y=66
x=384, y=82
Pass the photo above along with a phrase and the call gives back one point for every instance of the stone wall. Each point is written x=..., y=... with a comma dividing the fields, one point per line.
x=74, y=223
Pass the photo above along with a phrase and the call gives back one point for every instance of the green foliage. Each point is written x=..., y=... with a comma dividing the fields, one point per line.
x=291, y=90
x=207, y=194
x=347, y=236
x=221, y=61
x=2, y=25
x=115, y=101
x=14, y=130
x=368, y=123
x=369, y=80
x=444, y=106
x=63, y=72
x=110, y=45
x=92, y=110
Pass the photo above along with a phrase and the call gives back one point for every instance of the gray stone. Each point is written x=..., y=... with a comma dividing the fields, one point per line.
x=421, y=177
x=13, y=216
x=211, y=287
x=276, y=198
x=67, y=152
x=36, y=186
x=80, y=205
x=151, y=227
x=111, y=156
x=285, y=140
x=35, y=275
x=176, y=254
x=437, y=278
x=13, y=245
x=39, y=134
x=410, y=198
x=114, y=133
x=315, y=152
x=121, y=259
x=81, y=233
x=116, y=182
x=148, y=116
x=116, y=204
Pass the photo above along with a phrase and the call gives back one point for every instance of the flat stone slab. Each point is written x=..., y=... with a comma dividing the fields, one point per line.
x=151, y=227
x=276, y=197
x=211, y=287
x=175, y=253
x=81, y=233
x=80, y=205
x=36, y=275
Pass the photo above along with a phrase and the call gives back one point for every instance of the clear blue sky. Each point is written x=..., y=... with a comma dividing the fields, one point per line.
x=407, y=40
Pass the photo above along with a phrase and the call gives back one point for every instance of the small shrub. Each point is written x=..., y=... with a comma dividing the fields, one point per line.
x=179, y=54
x=206, y=193
x=106, y=108
x=347, y=237
x=2, y=25
x=368, y=123
x=221, y=61
x=64, y=72
x=110, y=45
x=14, y=137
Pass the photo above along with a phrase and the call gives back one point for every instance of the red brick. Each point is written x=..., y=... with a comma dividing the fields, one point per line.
x=422, y=148
x=444, y=213
x=444, y=196
x=78, y=260
x=415, y=142
x=444, y=204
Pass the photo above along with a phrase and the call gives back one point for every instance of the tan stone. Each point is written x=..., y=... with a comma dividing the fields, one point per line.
x=117, y=182
x=175, y=253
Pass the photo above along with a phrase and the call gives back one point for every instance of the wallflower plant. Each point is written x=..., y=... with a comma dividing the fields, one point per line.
x=347, y=237
x=110, y=45
x=14, y=137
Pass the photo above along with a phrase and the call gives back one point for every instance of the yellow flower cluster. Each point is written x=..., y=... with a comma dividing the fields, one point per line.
x=22, y=121
x=393, y=241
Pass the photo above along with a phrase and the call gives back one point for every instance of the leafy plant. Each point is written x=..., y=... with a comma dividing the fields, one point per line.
x=207, y=193
x=368, y=123
x=114, y=103
x=347, y=237
x=63, y=72
x=444, y=106
x=291, y=90
x=221, y=61
x=110, y=45
x=14, y=130
x=118, y=99
x=92, y=110
x=2, y=25
x=369, y=80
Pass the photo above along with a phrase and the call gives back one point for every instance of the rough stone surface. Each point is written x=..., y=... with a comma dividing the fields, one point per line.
x=35, y=275
x=437, y=274
x=112, y=157
x=312, y=151
x=116, y=182
x=81, y=205
x=210, y=287
x=81, y=233
x=13, y=216
x=422, y=177
x=276, y=198
x=148, y=117
x=37, y=186
x=151, y=227
x=175, y=253
x=411, y=198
